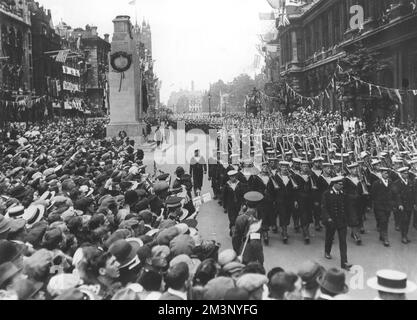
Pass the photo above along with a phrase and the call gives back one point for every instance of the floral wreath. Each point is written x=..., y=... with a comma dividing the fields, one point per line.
x=119, y=54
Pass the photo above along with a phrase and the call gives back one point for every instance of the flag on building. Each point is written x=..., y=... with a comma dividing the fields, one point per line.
x=132, y=2
x=283, y=18
x=62, y=56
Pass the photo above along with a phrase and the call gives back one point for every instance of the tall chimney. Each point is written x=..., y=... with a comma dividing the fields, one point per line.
x=94, y=31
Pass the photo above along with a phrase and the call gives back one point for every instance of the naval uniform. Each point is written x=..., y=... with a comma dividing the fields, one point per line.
x=405, y=195
x=316, y=196
x=233, y=198
x=284, y=199
x=304, y=200
x=335, y=219
x=253, y=252
x=382, y=199
x=353, y=190
x=263, y=184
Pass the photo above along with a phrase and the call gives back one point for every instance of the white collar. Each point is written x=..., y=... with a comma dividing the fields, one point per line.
x=180, y=294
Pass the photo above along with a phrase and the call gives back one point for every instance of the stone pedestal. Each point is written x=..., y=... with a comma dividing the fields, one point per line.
x=125, y=83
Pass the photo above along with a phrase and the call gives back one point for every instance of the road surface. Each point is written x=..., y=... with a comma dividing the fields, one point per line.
x=367, y=259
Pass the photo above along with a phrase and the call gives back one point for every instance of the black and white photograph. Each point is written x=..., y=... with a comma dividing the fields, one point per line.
x=226, y=152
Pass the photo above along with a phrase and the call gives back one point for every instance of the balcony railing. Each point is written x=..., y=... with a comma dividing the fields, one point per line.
x=11, y=9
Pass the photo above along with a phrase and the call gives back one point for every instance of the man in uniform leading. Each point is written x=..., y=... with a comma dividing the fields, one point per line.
x=336, y=220
x=405, y=198
x=198, y=168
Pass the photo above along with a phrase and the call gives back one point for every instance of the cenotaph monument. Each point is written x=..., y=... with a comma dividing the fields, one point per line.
x=126, y=113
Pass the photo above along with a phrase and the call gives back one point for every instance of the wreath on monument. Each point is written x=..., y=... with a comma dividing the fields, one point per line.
x=121, y=61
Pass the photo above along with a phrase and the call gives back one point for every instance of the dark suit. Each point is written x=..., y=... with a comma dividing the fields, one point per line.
x=353, y=202
x=212, y=172
x=221, y=179
x=382, y=199
x=333, y=207
x=406, y=196
x=316, y=197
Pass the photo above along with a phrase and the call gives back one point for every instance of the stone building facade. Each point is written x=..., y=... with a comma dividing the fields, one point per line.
x=16, y=65
x=320, y=34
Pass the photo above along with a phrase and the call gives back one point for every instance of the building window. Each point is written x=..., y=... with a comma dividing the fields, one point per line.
x=325, y=31
x=336, y=25
x=308, y=42
x=316, y=37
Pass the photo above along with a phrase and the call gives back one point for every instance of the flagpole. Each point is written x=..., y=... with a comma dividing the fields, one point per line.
x=136, y=12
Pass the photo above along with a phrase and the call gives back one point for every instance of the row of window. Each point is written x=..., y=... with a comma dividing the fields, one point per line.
x=329, y=28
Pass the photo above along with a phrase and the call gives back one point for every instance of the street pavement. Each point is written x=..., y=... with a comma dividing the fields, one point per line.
x=367, y=259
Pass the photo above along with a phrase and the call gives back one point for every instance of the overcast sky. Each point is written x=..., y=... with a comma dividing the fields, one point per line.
x=192, y=39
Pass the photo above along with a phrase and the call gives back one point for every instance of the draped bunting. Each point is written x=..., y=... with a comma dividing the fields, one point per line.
x=23, y=103
x=333, y=84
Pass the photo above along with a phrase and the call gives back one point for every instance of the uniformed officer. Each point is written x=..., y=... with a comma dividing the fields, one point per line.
x=246, y=242
x=405, y=198
x=335, y=219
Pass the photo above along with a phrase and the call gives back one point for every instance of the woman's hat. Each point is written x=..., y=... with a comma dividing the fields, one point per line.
x=334, y=281
x=391, y=281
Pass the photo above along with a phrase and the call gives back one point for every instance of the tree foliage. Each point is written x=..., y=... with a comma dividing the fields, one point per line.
x=364, y=63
